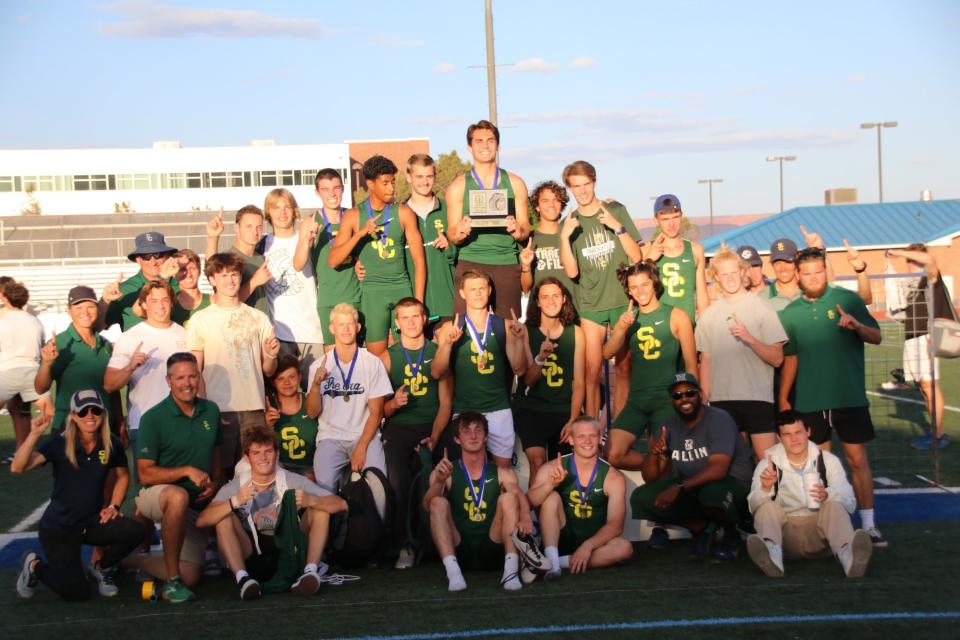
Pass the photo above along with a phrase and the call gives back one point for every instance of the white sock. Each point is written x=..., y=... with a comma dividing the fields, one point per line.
x=564, y=562
x=240, y=575
x=311, y=568
x=553, y=555
x=511, y=565
x=866, y=519
x=455, y=581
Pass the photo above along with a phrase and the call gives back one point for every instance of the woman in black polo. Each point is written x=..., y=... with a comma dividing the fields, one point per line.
x=83, y=458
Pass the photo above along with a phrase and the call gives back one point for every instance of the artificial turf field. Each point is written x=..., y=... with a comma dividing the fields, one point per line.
x=909, y=589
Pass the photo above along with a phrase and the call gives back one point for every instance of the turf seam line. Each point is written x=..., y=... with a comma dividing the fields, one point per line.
x=665, y=624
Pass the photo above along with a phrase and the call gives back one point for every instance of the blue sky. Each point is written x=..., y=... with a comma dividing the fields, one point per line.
x=656, y=95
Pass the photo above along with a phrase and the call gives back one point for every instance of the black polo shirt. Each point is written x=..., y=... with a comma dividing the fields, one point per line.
x=78, y=491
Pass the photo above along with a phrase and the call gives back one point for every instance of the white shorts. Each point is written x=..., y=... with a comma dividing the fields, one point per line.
x=18, y=381
x=916, y=359
x=501, y=437
x=331, y=461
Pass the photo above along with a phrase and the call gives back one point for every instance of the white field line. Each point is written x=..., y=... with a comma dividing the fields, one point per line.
x=29, y=521
x=909, y=400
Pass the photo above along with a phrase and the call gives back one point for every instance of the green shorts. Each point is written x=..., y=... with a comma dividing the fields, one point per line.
x=479, y=553
x=570, y=540
x=376, y=306
x=604, y=318
x=643, y=415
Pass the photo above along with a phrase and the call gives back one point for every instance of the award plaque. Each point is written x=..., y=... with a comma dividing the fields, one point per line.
x=488, y=208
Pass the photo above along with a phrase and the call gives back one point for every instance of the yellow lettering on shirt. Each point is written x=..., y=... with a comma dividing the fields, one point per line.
x=552, y=371
x=292, y=443
x=672, y=280
x=475, y=513
x=385, y=248
x=489, y=368
x=417, y=385
x=581, y=510
x=648, y=345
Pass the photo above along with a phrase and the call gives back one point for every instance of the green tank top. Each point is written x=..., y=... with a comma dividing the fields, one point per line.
x=548, y=263
x=423, y=399
x=489, y=245
x=469, y=518
x=440, y=264
x=298, y=435
x=334, y=284
x=383, y=259
x=552, y=392
x=182, y=316
x=584, y=517
x=481, y=385
x=655, y=353
x=679, y=277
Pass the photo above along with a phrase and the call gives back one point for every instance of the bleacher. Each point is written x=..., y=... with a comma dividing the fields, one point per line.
x=51, y=254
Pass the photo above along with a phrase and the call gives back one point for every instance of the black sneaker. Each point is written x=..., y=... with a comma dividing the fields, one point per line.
x=307, y=584
x=249, y=588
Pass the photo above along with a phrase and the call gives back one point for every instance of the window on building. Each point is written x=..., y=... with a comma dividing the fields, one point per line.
x=40, y=183
x=133, y=181
x=91, y=182
x=6, y=184
x=219, y=179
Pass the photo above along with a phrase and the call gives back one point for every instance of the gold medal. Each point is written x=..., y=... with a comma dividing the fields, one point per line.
x=346, y=398
x=482, y=361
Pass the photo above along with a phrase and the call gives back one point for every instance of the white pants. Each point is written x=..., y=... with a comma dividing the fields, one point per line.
x=332, y=458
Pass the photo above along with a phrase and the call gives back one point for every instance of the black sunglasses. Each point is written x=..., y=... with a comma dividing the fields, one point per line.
x=153, y=256
x=689, y=393
x=97, y=411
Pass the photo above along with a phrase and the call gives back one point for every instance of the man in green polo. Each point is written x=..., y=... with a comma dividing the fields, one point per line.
x=179, y=468
x=156, y=262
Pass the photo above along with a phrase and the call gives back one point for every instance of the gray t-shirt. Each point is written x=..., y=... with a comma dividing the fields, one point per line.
x=737, y=372
x=265, y=505
x=716, y=433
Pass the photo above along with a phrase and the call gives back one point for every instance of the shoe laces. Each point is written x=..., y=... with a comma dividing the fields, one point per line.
x=337, y=579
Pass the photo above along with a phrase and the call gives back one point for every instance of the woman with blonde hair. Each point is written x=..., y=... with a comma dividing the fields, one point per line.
x=85, y=457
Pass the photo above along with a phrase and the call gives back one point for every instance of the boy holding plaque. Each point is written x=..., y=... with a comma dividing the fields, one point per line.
x=486, y=218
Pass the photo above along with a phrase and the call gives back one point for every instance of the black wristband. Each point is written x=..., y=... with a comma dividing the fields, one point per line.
x=860, y=270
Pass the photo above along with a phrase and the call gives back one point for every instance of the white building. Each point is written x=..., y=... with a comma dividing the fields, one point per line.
x=165, y=178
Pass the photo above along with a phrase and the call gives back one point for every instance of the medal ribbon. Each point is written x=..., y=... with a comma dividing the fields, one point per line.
x=496, y=178
x=481, y=345
x=386, y=223
x=414, y=370
x=326, y=222
x=477, y=499
x=346, y=378
x=584, y=491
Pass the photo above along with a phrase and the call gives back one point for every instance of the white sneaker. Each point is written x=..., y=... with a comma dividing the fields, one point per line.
x=27, y=579
x=528, y=575
x=766, y=555
x=406, y=559
x=529, y=550
x=877, y=538
x=855, y=556
x=104, y=580
x=456, y=583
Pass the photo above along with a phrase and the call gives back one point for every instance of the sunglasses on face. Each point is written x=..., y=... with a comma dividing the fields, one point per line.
x=689, y=393
x=154, y=256
x=83, y=413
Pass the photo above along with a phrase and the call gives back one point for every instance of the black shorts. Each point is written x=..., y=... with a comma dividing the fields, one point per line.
x=853, y=425
x=261, y=567
x=751, y=416
x=540, y=429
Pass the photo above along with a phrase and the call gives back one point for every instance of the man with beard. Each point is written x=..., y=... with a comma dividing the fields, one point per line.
x=826, y=329
x=697, y=472
x=580, y=498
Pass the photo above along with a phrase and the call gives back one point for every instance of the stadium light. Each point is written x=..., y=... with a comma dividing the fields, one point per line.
x=781, y=160
x=878, y=126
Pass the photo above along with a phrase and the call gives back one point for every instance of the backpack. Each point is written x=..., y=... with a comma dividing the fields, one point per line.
x=359, y=534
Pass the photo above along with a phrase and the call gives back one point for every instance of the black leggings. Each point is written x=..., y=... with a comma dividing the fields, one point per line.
x=63, y=570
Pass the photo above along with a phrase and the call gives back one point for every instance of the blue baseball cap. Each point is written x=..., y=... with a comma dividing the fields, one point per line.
x=666, y=203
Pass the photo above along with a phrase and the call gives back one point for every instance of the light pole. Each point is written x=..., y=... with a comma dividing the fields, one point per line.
x=781, y=159
x=878, y=126
x=491, y=65
x=710, y=182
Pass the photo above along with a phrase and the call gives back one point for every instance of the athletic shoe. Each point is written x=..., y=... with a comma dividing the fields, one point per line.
x=877, y=538
x=6, y=460
x=766, y=555
x=307, y=584
x=104, y=579
x=943, y=441
x=528, y=575
x=658, y=538
x=530, y=551
x=456, y=583
x=855, y=555
x=249, y=588
x=212, y=566
x=728, y=548
x=923, y=443
x=512, y=582
x=406, y=559
x=27, y=579
x=175, y=592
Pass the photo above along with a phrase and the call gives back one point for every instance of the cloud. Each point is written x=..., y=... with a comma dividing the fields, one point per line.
x=146, y=19
x=856, y=78
x=444, y=67
x=607, y=148
x=583, y=63
x=532, y=65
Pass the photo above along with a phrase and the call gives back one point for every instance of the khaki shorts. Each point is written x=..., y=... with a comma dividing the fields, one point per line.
x=194, y=539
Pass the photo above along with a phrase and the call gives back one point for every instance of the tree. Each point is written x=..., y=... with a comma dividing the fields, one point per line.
x=449, y=166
